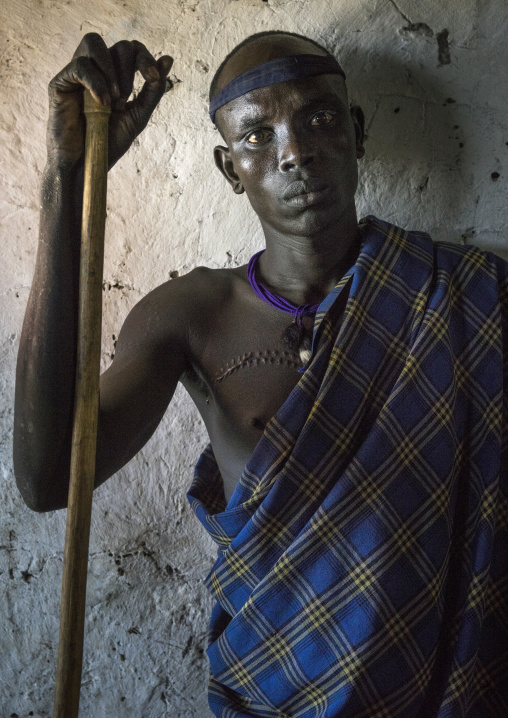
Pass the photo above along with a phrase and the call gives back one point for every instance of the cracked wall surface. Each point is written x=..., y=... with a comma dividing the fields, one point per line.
x=431, y=78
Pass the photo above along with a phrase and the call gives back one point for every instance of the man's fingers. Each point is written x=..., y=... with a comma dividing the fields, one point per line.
x=145, y=103
x=82, y=72
x=123, y=56
x=128, y=57
x=109, y=73
x=93, y=46
x=145, y=62
x=164, y=65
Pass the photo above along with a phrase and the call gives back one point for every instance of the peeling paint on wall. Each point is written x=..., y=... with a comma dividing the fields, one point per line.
x=432, y=83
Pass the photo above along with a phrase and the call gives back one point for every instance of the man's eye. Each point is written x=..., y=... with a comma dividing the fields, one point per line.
x=258, y=137
x=322, y=118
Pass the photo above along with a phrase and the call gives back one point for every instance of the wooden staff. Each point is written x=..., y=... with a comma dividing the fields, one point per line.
x=86, y=405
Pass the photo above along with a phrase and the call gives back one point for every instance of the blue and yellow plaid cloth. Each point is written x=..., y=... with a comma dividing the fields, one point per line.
x=362, y=566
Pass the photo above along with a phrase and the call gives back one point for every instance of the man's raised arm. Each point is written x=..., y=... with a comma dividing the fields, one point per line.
x=46, y=360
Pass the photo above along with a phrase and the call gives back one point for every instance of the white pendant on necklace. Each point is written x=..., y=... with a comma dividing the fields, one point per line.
x=305, y=355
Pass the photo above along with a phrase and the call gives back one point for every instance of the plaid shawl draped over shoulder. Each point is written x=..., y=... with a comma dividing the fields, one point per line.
x=362, y=564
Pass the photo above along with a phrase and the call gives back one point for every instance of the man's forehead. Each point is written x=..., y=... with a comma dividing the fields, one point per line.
x=262, y=50
x=303, y=92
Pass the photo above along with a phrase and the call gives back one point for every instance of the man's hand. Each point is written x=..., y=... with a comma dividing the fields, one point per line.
x=109, y=75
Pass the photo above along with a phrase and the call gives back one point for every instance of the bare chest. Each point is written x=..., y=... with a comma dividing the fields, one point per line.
x=243, y=377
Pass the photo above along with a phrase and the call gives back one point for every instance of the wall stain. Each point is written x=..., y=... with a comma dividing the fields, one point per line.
x=443, y=48
x=443, y=43
x=419, y=27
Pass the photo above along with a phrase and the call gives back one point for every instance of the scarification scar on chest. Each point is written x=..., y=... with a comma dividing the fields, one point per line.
x=255, y=358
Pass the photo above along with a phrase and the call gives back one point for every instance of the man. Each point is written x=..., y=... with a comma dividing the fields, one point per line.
x=357, y=497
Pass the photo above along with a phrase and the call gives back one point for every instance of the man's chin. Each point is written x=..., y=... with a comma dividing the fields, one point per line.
x=311, y=219
x=310, y=226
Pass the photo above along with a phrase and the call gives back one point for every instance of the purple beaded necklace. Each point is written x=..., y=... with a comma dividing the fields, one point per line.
x=274, y=300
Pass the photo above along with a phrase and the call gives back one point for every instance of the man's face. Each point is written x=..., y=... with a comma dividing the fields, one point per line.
x=293, y=148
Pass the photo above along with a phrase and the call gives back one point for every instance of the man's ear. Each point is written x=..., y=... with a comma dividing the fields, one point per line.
x=224, y=162
x=359, y=123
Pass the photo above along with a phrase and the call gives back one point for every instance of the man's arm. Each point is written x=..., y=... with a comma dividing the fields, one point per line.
x=46, y=360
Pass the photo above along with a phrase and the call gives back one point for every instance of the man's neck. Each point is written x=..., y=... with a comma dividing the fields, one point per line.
x=304, y=269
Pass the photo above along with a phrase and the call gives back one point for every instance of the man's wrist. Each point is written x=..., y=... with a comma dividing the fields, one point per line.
x=61, y=178
x=58, y=164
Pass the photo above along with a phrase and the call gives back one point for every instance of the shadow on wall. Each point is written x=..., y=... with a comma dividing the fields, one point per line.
x=419, y=170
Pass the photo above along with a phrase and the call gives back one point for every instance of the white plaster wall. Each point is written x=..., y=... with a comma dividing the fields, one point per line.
x=431, y=76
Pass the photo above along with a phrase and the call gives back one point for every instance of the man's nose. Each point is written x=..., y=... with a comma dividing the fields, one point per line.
x=295, y=152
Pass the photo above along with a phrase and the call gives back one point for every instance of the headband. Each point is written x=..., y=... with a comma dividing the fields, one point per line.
x=281, y=69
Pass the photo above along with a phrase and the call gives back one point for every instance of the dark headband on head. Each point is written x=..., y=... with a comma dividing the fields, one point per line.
x=281, y=69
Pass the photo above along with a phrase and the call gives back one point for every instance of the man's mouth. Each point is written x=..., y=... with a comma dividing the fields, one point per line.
x=304, y=192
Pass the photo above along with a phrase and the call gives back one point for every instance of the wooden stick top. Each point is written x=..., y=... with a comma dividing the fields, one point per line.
x=91, y=106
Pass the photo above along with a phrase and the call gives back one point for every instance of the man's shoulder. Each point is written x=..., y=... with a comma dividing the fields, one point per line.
x=199, y=289
x=445, y=254
x=469, y=260
x=190, y=301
